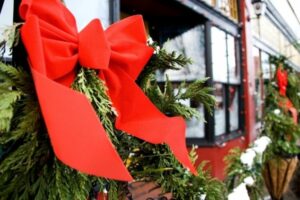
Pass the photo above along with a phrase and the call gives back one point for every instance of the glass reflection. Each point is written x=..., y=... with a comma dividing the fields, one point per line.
x=233, y=69
x=265, y=65
x=190, y=44
x=220, y=110
x=219, y=58
x=195, y=127
x=233, y=108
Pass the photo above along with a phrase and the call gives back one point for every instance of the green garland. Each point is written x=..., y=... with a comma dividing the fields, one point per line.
x=236, y=173
x=278, y=123
x=29, y=169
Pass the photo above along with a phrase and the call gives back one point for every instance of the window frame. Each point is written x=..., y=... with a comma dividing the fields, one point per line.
x=210, y=136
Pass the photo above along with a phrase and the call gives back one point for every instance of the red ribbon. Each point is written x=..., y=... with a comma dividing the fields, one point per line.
x=282, y=81
x=54, y=48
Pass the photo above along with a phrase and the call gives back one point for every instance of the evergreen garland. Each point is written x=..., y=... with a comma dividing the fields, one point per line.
x=29, y=169
x=237, y=172
x=278, y=123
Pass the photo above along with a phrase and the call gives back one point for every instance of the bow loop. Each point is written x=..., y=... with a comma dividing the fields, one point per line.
x=282, y=80
x=93, y=53
x=56, y=35
x=128, y=40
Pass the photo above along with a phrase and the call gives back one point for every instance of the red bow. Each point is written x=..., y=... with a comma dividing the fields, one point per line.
x=282, y=81
x=54, y=48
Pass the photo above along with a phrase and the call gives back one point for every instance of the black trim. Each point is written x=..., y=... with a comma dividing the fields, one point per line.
x=209, y=126
x=218, y=19
x=229, y=136
x=1, y=5
x=114, y=10
x=226, y=89
x=219, y=140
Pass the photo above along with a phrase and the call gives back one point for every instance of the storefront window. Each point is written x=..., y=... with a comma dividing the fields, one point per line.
x=227, y=80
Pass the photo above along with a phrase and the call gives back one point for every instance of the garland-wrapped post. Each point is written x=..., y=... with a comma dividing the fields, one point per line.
x=281, y=125
x=30, y=165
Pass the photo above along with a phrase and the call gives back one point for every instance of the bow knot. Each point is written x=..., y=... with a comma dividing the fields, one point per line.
x=93, y=48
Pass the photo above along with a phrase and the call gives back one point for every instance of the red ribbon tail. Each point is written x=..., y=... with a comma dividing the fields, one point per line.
x=177, y=144
x=139, y=117
x=75, y=131
x=76, y=134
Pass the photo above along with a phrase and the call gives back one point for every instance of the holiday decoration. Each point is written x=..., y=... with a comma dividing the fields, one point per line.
x=282, y=81
x=78, y=138
x=29, y=168
x=281, y=125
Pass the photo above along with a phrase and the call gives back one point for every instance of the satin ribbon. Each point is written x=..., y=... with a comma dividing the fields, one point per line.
x=55, y=48
x=282, y=81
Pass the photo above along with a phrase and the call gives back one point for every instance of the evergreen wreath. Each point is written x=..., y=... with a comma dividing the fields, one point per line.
x=29, y=168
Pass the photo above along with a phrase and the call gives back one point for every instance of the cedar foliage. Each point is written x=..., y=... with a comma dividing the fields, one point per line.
x=30, y=170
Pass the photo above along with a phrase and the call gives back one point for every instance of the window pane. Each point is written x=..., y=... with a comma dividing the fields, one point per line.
x=233, y=68
x=233, y=108
x=195, y=127
x=258, y=84
x=265, y=65
x=190, y=44
x=219, y=59
x=273, y=70
x=89, y=10
x=220, y=110
x=6, y=20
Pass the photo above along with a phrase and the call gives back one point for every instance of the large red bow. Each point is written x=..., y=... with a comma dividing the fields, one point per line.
x=55, y=47
x=282, y=81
